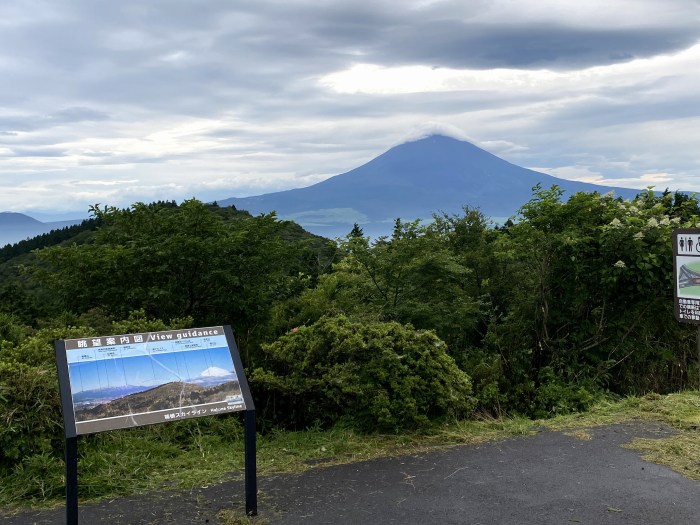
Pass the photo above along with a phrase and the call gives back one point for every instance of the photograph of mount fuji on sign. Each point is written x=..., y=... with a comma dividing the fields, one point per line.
x=137, y=379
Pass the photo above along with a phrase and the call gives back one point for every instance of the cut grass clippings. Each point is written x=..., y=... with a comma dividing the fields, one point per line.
x=680, y=411
x=680, y=452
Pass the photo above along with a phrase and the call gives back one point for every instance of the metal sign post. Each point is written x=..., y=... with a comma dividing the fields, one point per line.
x=71, y=452
x=72, y=481
x=130, y=380
x=251, y=481
x=251, y=476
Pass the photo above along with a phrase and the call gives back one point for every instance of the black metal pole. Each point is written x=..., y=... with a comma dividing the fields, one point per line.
x=251, y=476
x=699, y=358
x=72, y=481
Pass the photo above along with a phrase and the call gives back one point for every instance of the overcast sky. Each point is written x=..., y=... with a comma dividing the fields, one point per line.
x=115, y=102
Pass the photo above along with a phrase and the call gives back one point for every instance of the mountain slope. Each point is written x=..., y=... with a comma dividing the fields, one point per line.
x=410, y=181
x=15, y=227
x=14, y=220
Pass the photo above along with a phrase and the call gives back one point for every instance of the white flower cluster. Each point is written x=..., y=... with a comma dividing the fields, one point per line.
x=654, y=216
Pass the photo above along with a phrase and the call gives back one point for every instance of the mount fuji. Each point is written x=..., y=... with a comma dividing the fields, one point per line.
x=412, y=181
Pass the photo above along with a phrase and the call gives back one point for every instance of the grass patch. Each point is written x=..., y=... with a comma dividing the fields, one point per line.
x=604, y=412
x=298, y=451
x=197, y=453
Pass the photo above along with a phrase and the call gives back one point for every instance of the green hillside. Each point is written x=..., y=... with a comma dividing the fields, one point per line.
x=441, y=322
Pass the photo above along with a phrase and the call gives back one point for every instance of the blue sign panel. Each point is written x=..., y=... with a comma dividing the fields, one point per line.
x=122, y=381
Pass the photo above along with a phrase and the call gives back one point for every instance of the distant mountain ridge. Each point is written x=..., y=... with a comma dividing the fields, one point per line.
x=15, y=227
x=411, y=181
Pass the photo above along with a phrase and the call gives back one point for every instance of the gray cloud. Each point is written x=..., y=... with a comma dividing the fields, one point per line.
x=10, y=124
x=180, y=55
x=41, y=152
x=219, y=92
x=459, y=45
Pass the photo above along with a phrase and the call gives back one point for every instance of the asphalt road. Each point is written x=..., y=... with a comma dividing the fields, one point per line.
x=547, y=478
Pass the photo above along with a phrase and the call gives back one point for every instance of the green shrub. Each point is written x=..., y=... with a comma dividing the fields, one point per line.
x=556, y=395
x=138, y=321
x=582, y=301
x=374, y=375
x=31, y=423
x=10, y=329
x=30, y=417
x=30, y=408
x=486, y=371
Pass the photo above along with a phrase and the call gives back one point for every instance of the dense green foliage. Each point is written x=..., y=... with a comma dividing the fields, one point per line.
x=586, y=300
x=174, y=261
x=380, y=376
x=573, y=299
x=568, y=301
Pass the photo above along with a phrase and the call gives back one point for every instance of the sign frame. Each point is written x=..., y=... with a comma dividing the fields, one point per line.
x=194, y=344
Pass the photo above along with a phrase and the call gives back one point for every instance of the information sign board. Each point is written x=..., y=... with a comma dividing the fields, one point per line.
x=686, y=274
x=129, y=380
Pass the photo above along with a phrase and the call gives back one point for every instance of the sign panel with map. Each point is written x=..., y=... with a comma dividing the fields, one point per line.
x=122, y=381
x=686, y=272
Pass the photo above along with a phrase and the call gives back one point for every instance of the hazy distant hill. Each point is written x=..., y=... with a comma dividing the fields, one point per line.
x=15, y=227
x=105, y=395
x=411, y=181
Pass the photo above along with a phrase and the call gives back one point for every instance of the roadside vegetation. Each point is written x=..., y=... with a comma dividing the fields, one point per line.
x=451, y=332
